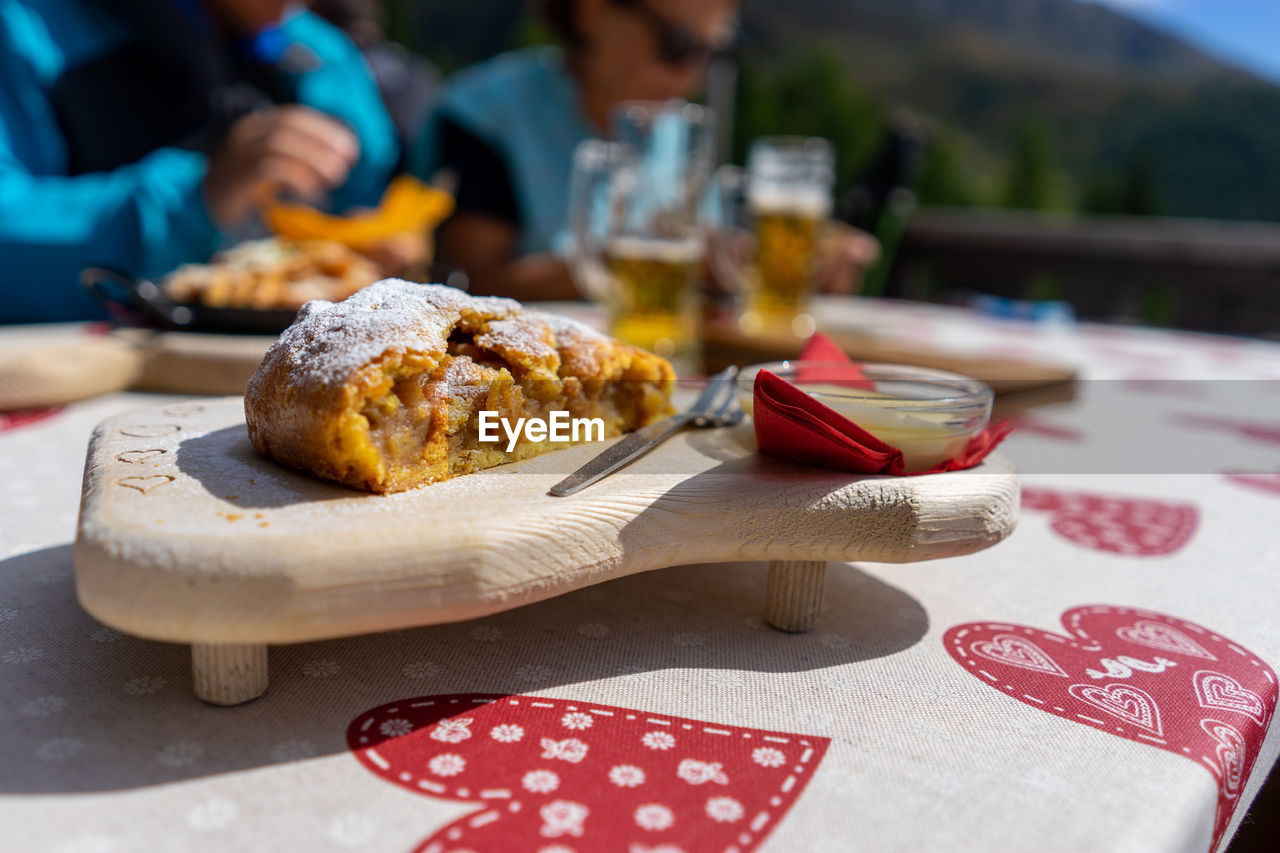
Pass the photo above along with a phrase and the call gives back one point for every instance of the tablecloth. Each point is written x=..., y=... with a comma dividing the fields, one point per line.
x=1101, y=680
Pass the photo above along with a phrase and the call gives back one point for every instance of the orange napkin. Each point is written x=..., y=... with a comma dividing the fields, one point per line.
x=794, y=425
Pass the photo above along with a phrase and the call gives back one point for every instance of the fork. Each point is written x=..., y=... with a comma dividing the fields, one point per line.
x=708, y=411
x=728, y=413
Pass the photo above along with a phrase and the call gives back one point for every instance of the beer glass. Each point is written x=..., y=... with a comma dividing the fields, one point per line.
x=673, y=141
x=635, y=216
x=787, y=200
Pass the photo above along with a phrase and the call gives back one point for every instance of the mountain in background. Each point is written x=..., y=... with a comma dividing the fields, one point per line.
x=1043, y=33
x=1121, y=116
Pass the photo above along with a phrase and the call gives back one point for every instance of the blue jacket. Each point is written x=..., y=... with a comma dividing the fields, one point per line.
x=147, y=216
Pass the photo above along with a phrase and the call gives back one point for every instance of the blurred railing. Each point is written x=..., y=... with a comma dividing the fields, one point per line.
x=1195, y=274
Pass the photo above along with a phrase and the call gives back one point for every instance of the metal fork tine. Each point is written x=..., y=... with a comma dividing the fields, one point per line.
x=729, y=412
x=715, y=408
x=730, y=408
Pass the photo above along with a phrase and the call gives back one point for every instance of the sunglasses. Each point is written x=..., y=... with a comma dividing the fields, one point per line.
x=677, y=45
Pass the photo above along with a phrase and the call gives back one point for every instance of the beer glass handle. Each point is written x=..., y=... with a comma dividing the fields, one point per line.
x=593, y=161
x=731, y=248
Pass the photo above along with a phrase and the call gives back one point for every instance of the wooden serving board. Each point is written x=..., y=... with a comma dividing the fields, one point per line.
x=187, y=534
x=51, y=365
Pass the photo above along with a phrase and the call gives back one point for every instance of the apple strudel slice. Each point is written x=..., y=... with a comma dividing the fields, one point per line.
x=385, y=390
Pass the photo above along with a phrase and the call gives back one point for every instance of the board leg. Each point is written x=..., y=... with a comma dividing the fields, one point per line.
x=229, y=674
x=793, y=594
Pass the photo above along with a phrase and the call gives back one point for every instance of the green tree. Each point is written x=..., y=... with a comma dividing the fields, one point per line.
x=1136, y=192
x=810, y=95
x=1032, y=183
x=945, y=179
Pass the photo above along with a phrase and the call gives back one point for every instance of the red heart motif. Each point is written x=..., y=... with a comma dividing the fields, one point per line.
x=1015, y=651
x=1143, y=676
x=1130, y=526
x=1215, y=690
x=555, y=776
x=1265, y=482
x=1036, y=426
x=1158, y=636
x=1246, y=429
x=1128, y=703
x=13, y=420
x=1167, y=387
x=1231, y=751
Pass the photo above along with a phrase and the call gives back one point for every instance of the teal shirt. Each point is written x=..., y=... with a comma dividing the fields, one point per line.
x=528, y=108
x=149, y=216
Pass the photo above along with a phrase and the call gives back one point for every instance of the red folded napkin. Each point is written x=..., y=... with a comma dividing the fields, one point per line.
x=823, y=361
x=794, y=425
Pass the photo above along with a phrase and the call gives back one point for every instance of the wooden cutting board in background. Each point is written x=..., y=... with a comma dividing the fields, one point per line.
x=1017, y=384
x=49, y=365
x=57, y=364
x=195, y=363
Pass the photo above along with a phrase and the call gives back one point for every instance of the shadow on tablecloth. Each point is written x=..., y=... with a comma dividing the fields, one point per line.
x=89, y=709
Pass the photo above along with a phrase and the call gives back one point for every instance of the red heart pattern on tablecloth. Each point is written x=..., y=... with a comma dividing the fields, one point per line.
x=1132, y=526
x=1215, y=690
x=551, y=776
x=1246, y=429
x=1166, y=387
x=1028, y=424
x=1014, y=651
x=1143, y=676
x=1264, y=482
x=13, y=420
x=1127, y=703
x=1156, y=635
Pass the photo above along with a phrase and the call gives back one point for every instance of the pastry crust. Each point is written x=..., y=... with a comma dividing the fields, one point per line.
x=383, y=391
x=273, y=274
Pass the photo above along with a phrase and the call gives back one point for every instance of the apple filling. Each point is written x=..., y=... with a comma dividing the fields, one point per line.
x=422, y=426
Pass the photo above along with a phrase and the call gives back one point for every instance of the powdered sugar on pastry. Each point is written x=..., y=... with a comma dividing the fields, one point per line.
x=331, y=341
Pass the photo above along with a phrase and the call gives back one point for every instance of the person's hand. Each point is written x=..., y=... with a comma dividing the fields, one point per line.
x=844, y=254
x=293, y=150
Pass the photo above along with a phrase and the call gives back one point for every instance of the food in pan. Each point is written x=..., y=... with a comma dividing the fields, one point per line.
x=389, y=389
x=273, y=274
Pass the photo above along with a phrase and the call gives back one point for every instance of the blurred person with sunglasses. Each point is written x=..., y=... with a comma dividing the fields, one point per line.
x=505, y=129
x=139, y=134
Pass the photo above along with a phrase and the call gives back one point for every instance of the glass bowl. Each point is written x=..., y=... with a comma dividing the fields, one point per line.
x=930, y=415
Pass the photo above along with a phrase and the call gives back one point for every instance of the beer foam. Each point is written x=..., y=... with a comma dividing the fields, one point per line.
x=653, y=249
x=806, y=202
